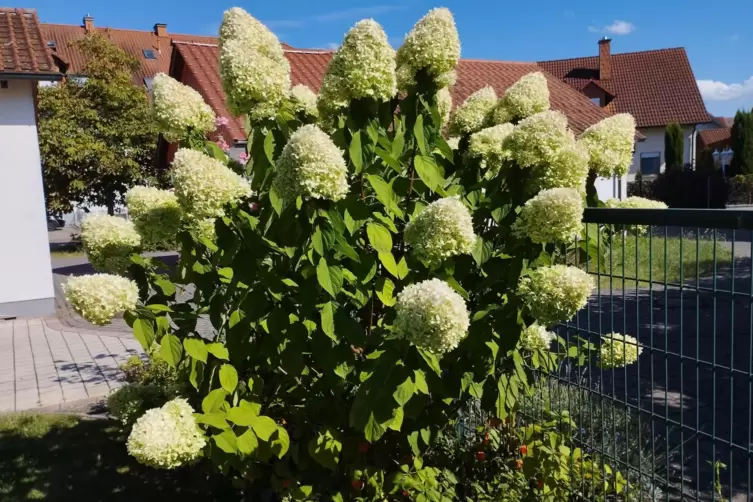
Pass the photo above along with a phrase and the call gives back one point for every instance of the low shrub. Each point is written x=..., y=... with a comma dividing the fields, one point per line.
x=132, y=400
x=691, y=189
x=741, y=189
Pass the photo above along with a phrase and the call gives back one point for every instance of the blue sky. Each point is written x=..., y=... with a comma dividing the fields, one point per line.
x=719, y=41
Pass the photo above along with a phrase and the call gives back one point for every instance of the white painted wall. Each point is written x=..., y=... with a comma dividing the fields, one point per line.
x=655, y=143
x=25, y=270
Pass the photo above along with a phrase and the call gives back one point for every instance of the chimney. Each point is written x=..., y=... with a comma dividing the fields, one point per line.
x=88, y=23
x=160, y=29
x=605, y=59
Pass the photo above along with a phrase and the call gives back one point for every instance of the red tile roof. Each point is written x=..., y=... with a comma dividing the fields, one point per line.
x=23, y=50
x=308, y=67
x=657, y=87
x=715, y=138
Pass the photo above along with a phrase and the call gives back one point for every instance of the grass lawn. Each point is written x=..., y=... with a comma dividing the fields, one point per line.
x=64, y=458
x=648, y=254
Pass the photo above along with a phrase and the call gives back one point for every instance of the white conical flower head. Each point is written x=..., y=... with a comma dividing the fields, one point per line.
x=237, y=24
x=432, y=45
x=311, y=166
x=444, y=104
x=636, y=203
x=109, y=242
x=304, y=100
x=610, y=145
x=536, y=337
x=179, y=109
x=618, y=350
x=475, y=112
x=98, y=298
x=489, y=145
x=553, y=215
x=443, y=229
x=528, y=96
x=432, y=316
x=156, y=215
x=556, y=293
x=204, y=186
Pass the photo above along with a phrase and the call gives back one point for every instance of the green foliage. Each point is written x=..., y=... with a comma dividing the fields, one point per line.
x=742, y=144
x=303, y=388
x=674, y=147
x=129, y=402
x=96, y=136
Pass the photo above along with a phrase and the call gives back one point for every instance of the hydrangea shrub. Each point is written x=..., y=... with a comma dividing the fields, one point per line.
x=371, y=278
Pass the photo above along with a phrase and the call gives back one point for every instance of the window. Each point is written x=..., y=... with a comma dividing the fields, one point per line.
x=148, y=83
x=650, y=163
x=51, y=44
x=596, y=101
x=149, y=54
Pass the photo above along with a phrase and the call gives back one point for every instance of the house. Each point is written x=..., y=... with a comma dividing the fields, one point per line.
x=26, y=287
x=715, y=145
x=197, y=65
x=657, y=87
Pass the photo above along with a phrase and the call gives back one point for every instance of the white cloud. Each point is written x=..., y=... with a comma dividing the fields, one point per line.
x=618, y=27
x=336, y=15
x=714, y=90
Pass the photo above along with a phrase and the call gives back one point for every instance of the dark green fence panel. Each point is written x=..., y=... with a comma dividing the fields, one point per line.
x=678, y=423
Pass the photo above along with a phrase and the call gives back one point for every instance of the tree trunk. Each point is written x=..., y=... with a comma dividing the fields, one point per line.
x=592, y=197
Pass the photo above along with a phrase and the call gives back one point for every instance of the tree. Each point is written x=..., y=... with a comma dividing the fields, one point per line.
x=97, y=137
x=674, y=146
x=742, y=144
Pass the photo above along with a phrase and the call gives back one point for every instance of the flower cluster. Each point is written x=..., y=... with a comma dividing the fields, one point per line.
x=109, y=242
x=304, y=100
x=179, y=110
x=443, y=229
x=475, y=113
x=204, y=185
x=489, y=145
x=444, y=104
x=553, y=215
x=618, y=350
x=166, y=437
x=528, y=96
x=255, y=74
x=555, y=293
x=433, y=46
x=98, y=298
x=544, y=143
x=536, y=337
x=156, y=215
x=636, y=203
x=610, y=145
x=202, y=228
x=363, y=67
x=312, y=166
x=432, y=316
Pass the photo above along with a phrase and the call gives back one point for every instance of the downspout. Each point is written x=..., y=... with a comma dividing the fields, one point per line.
x=693, y=146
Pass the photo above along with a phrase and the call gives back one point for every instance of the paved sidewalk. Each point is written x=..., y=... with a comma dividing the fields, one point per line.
x=47, y=364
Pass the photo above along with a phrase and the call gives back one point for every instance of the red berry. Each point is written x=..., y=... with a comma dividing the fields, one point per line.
x=524, y=450
x=480, y=456
x=405, y=493
x=486, y=439
x=357, y=484
x=363, y=447
x=540, y=484
x=519, y=464
x=286, y=483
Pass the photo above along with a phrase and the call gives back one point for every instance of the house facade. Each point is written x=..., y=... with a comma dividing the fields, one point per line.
x=657, y=87
x=26, y=288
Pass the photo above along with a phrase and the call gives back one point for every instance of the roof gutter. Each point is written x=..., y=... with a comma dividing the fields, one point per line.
x=31, y=76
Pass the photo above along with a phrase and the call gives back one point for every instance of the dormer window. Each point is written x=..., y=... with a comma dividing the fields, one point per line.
x=149, y=54
x=596, y=101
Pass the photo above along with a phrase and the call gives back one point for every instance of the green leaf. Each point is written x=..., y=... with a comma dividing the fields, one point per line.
x=373, y=430
x=325, y=449
x=397, y=419
x=388, y=159
x=163, y=325
x=264, y=427
x=218, y=350
x=157, y=308
x=269, y=147
x=323, y=239
x=384, y=193
x=213, y=150
x=419, y=378
x=196, y=348
x=228, y=378
x=429, y=172
x=196, y=376
x=214, y=419
x=226, y=441
x=418, y=132
x=355, y=152
x=212, y=402
x=402, y=269
x=482, y=251
x=275, y=199
x=413, y=441
x=302, y=492
x=384, y=290
x=426, y=435
x=389, y=263
x=343, y=247
x=247, y=442
x=386, y=221
x=330, y=277
x=431, y=360
x=280, y=442
x=404, y=392
x=379, y=237
x=143, y=331
x=502, y=397
x=328, y=320
x=241, y=415
x=171, y=350
x=250, y=407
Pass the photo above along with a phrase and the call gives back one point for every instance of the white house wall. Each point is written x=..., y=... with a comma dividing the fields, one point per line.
x=25, y=272
x=655, y=143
